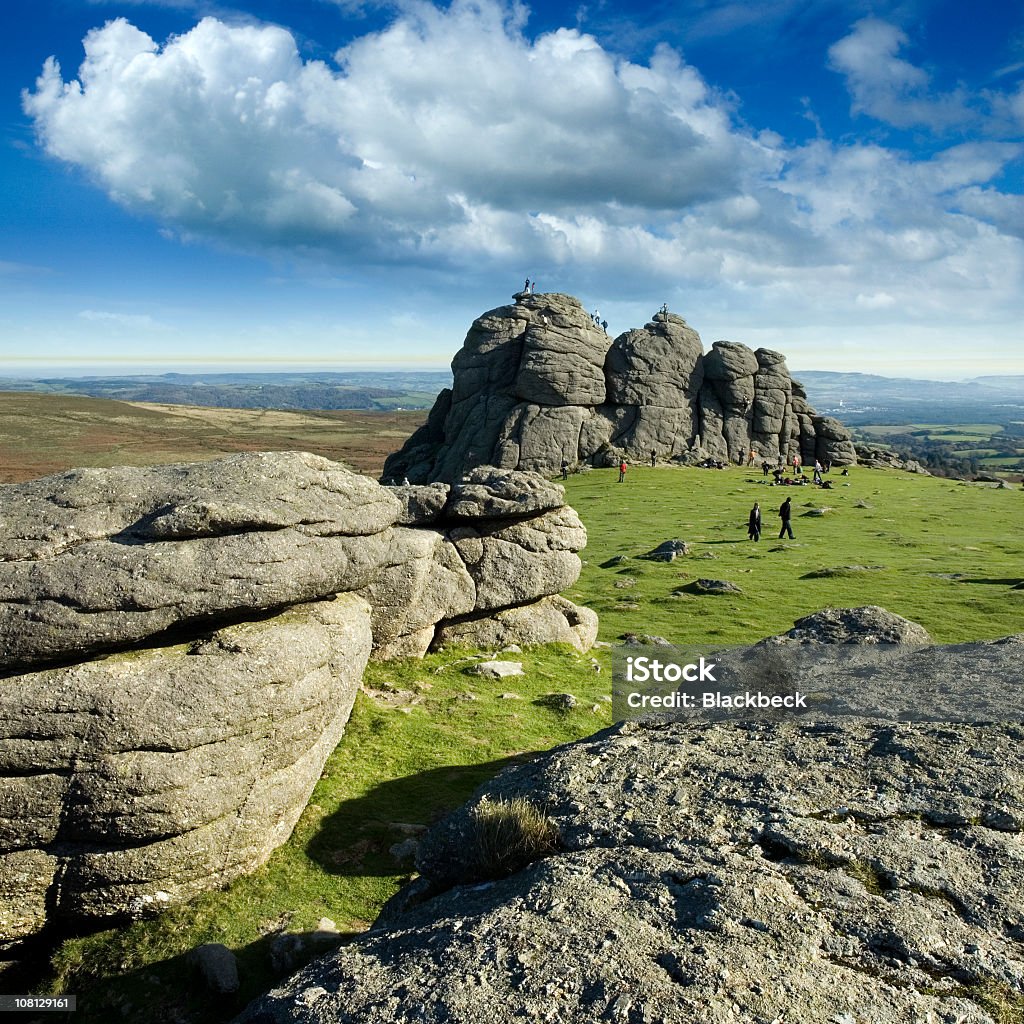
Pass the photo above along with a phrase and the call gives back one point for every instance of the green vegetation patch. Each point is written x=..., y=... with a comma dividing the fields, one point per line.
x=891, y=539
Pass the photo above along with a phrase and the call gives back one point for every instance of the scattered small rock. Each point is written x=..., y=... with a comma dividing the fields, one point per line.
x=616, y=560
x=497, y=669
x=823, y=511
x=557, y=701
x=286, y=951
x=643, y=640
x=702, y=586
x=625, y=583
x=668, y=551
x=218, y=966
x=840, y=571
x=405, y=850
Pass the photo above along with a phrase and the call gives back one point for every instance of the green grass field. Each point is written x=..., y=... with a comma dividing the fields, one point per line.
x=945, y=554
x=911, y=533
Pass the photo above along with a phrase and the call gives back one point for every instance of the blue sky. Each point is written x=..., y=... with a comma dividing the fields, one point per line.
x=341, y=183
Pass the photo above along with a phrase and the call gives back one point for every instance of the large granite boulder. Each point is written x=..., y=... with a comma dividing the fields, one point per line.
x=94, y=560
x=538, y=383
x=140, y=779
x=180, y=646
x=808, y=870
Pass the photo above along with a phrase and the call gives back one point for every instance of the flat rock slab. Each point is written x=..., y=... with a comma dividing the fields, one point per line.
x=796, y=871
x=93, y=560
x=98, y=560
x=497, y=669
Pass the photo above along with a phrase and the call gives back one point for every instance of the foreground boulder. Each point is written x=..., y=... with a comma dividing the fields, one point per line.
x=94, y=560
x=180, y=647
x=141, y=779
x=834, y=870
x=539, y=383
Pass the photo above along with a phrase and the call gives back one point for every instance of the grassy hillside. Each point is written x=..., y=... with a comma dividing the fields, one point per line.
x=941, y=552
x=424, y=734
x=42, y=434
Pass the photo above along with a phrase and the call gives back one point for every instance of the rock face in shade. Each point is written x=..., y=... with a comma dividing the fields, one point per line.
x=845, y=869
x=180, y=647
x=537, y=382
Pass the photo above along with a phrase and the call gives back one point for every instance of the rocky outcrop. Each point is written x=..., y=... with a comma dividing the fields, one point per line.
x=831, y=870
x=180, y=647
x=884, y=458
x=538, y=382
x=95, y=560
x=867, y=624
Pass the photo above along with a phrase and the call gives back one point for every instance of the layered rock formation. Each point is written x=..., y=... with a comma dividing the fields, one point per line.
x=537, y=382
x=834, y=870
x=180, y=647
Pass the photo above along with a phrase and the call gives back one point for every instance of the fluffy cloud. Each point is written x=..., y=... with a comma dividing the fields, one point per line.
x=885, y=86
x=430, y=130
x=451, y=138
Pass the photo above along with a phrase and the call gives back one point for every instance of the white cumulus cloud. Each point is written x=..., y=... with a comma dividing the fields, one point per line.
x=887, y=87
x=451, y=138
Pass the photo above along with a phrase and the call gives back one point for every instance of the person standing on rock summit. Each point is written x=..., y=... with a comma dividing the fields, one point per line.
x=786, y=514
x=754, y=523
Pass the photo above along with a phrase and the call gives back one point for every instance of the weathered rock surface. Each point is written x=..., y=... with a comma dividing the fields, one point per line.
x=537, y=383
x=868, y=624
x=95, y=560
x=833, y=871
x=143, y=778
x=180, y=646
x=550, y=620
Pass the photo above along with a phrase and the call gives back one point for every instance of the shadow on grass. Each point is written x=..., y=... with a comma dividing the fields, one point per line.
x=174, y=990
x=1014, y=581
x=357, y=837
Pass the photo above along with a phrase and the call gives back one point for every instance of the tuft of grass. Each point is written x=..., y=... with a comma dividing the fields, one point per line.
x=509, y=834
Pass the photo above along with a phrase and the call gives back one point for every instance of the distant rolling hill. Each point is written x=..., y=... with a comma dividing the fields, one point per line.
x=47, y=433
x=367, y=390
x=858, y=398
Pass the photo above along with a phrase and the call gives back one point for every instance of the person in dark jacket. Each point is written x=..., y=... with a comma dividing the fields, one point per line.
x=754, y=523
x=785, y=514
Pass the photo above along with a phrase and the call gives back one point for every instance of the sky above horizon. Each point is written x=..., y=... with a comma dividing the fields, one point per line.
x=191, y=184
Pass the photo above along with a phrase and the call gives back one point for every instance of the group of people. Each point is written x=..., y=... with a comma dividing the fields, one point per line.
x=785, y=514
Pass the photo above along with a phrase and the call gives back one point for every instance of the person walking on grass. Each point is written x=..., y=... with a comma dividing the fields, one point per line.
x=754, y=523
x=654, y=458
x=565, y=469
x=622, y=471
x=786, y=514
